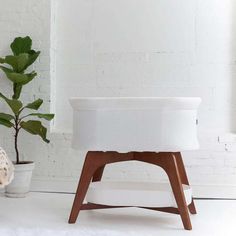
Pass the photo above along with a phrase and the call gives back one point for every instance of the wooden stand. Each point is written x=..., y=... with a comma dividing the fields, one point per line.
x=172, y=164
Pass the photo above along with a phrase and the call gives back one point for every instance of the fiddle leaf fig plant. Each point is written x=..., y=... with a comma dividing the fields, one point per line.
x=15, y=68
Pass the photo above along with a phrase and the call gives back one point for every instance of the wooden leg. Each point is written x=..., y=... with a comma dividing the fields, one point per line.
x=172, y=171
x=86, y=175
x=98, y=174
x=167, y=161
x=93, y=169
x=184, y=179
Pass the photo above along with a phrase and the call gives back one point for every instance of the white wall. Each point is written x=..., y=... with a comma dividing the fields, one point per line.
x=146, y=48
x=155, y=48
x=130, y=48
x=21, y=18
x=121, y=48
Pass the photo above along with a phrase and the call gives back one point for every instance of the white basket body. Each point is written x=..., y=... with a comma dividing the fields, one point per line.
x=135, y=124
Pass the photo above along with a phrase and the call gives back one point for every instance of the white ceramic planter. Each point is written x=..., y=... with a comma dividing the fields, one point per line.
x=20, y=185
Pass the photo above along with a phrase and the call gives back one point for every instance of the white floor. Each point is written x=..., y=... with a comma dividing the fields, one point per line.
x=42, y=214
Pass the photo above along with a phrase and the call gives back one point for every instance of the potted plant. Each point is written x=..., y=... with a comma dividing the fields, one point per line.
x=20, y=118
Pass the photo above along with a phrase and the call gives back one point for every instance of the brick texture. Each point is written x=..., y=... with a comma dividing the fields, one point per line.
x=84, y=54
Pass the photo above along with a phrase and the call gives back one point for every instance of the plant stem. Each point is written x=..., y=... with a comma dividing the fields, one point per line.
x=16, y=141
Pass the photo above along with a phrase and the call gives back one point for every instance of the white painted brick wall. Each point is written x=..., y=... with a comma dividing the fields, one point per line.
x=128, y=48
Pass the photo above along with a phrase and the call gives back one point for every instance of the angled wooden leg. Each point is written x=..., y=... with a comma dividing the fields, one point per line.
x=98, y=174
x=167, y=161
x=184, y=179
x=94, y=165
x=177, y=188
x=88, y=170
x=93, y=169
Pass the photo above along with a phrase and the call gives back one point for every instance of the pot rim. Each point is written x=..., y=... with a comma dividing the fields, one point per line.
x=27, y=166
x=23, y=163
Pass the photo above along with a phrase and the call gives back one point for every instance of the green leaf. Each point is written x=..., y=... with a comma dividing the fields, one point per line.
x=14, y=104
x=33, y=55
x=6, y=116
x=18, y=63
x=36, y=128
x=6, y=123
x=18, y=78
x=5, y=69
x=17, y=90
x=43, y=116
x=5, y=119
x=35, y=105
x=21, y=45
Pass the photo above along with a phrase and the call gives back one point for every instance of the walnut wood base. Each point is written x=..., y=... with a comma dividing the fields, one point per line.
x=172, y=164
